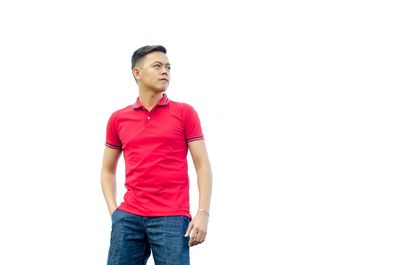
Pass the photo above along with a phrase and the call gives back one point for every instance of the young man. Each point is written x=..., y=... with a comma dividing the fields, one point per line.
x=154, y=135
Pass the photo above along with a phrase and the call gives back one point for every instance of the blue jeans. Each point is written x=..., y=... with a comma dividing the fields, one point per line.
x=133, y=237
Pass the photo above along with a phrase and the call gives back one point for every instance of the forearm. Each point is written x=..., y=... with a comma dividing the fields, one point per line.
x=108, y=185
x=204, y=182
x=197, y=229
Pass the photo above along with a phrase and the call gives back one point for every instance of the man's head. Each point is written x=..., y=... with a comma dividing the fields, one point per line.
x=151, y=68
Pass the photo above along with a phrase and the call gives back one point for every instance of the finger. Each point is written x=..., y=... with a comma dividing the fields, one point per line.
x=194, y=238
x=195, y=243
x=189, y=229
x=192, y=242
x=195, y=232
x=202, y=238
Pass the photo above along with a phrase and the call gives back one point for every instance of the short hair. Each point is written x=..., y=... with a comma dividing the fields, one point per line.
x=143, y=51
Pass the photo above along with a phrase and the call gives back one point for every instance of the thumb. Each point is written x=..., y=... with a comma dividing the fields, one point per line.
x=189, y=229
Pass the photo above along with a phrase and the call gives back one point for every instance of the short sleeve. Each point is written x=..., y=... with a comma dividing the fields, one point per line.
x=193, y=131
x=112, y=137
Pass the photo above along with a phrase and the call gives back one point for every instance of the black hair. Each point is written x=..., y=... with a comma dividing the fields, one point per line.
x=143, y=51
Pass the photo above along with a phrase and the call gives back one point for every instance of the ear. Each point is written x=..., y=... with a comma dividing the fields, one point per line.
x=135, y=72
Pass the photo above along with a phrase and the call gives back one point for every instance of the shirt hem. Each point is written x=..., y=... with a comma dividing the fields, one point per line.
x=155, y=214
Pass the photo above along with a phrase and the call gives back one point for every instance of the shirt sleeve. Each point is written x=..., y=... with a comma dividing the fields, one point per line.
x=193, y=131
x=112, y=137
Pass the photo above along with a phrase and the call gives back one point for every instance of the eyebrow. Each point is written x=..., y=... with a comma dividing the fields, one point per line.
x=161, y=63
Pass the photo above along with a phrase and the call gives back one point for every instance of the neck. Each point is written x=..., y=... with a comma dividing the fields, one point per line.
x=149, y=99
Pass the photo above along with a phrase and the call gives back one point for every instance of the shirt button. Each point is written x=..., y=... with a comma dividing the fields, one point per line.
x=148, y=117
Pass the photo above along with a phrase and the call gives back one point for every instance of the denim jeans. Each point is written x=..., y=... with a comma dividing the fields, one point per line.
x=134, y=237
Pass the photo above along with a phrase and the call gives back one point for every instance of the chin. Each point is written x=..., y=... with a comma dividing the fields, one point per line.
x=160, y=89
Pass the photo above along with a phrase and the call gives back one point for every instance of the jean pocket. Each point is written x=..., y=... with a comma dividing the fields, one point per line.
x=187, y=220
x=114, y=213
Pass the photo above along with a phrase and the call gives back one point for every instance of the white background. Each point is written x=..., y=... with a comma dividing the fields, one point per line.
x=299, y=103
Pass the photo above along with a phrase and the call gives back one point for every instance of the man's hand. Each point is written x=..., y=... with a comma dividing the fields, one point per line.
x=197, y=229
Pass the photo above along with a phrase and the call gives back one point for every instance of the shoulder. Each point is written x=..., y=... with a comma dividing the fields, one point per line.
x=184, y=107
x=121, y=112
x=185, y=111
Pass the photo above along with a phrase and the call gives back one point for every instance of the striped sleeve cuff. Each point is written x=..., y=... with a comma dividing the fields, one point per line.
x=113, y=146
x=196, y=138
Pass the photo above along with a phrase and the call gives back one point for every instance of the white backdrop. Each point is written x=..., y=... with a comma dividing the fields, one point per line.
x=300, y=108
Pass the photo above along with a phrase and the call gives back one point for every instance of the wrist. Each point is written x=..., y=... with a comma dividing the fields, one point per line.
x=202, y=210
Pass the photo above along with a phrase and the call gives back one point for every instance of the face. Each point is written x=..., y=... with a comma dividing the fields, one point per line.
x=153, y=72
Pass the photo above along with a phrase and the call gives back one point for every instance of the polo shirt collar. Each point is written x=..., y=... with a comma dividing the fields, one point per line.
x=162, y=102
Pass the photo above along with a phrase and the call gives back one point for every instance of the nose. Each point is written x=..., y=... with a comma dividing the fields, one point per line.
x=165, y=70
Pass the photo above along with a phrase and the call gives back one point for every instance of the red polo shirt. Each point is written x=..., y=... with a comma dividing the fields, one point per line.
x=155, y=146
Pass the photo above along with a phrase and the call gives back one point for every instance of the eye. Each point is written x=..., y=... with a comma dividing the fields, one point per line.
x=157, y=65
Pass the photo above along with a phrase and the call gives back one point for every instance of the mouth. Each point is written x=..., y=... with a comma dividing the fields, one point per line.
x=164, y=80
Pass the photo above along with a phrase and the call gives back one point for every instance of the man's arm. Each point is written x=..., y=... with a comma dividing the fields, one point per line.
x=108, y=177
x=198, y=226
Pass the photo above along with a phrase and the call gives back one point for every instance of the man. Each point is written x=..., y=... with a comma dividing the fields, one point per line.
x=154, y=135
